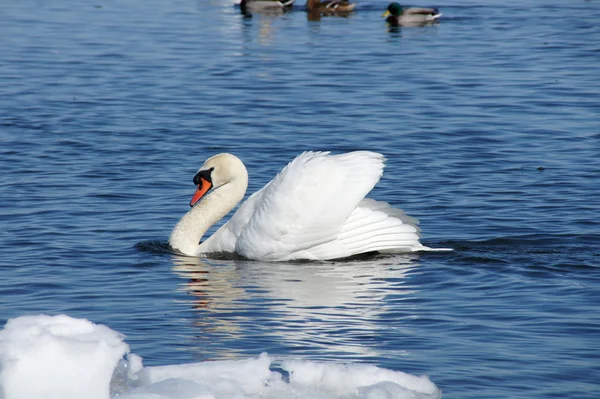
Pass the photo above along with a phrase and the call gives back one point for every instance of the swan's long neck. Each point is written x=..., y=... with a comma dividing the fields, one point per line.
x=188, y=232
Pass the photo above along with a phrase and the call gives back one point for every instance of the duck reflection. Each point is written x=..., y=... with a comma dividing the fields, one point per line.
x=264, y=21
x=316, y=15
x=331, y=305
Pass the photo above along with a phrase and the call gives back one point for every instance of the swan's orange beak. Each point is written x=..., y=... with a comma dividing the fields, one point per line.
x=202, y=189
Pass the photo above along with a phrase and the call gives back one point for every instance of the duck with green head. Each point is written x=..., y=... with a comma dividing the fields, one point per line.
x=410, y=16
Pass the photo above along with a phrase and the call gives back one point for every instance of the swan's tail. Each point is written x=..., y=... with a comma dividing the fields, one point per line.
x=428, y=249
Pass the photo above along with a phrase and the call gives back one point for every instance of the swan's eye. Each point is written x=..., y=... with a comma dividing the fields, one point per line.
x=204, y=174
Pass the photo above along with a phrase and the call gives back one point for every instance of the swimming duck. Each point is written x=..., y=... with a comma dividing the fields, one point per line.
x=315, y=208
x=410, y=16
x=329, y=7
x=265, y=5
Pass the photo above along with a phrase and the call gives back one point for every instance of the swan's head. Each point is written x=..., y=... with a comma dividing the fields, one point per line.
x=218, y=171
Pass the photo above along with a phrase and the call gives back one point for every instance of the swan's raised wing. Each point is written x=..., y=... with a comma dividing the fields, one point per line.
x=306, y=205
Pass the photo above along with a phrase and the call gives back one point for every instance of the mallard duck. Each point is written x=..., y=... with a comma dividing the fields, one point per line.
x=410, y=16
x=329, y=7
x=258, y=5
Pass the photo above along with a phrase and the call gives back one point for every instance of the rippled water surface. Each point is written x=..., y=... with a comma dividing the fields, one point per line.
x=490, y=121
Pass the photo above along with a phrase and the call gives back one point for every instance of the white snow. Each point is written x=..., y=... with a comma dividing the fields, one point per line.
x=59, y=357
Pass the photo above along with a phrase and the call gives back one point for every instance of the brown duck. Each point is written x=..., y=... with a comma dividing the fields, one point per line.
x=329, y=7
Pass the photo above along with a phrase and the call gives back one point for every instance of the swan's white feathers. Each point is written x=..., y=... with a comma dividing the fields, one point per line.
x=366, y=231
x=390, y=211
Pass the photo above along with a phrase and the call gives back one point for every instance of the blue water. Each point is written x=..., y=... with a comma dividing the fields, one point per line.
x=490, y=121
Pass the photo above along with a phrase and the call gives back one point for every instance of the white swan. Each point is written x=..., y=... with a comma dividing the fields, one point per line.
x=315, y=209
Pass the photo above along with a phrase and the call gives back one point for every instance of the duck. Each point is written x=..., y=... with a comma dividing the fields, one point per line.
x=265, y=5
x=314, y=209
x=329, y=7
x=397, y=15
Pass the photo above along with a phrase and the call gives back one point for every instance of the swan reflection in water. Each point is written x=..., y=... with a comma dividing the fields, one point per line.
x=324, y=307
